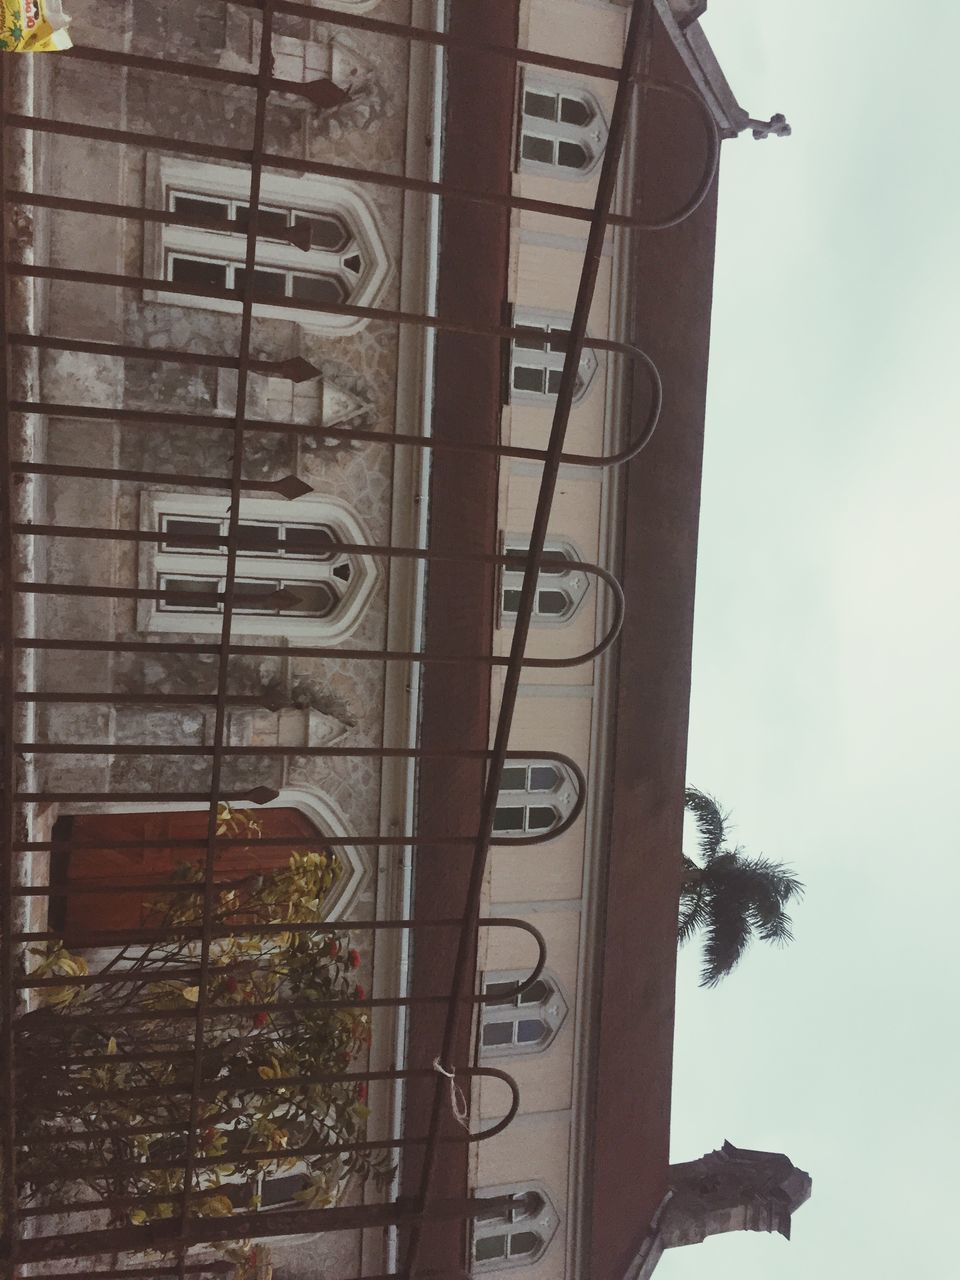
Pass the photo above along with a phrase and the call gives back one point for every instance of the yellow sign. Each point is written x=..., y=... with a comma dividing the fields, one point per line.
x=33, y=26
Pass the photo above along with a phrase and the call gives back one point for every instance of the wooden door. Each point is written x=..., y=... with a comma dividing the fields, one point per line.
x=80, y=910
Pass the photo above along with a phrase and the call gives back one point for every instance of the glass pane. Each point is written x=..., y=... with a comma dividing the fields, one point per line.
x=525, y=379
x=570, y=155
x=272, y=224
x=537, y=993
x=554, y=562
x=543, y=777
x=575, y=111
x=530, y=1031
x=539, y=149
x=190, y=535
x=198, y=595
x=322, y=289
x=498, y=988
x=250, y=590
x=508, y=818
x=541, y=818
x=266, y=284
x=513, y=778
x=200, y=274
x=511, y=601
x=264, y=538
x=282, y=1190
x=489, y=1248
x=541, y=105
x=354, y=263
x=314, y=540
x=533, y=341
x=343, y=572
x=497, y=1033
x=553, y=604
x=559, y=339
x=553, y=381
x=523, y=1244
x=316, y=599
x=195, y=207
x=326, y=231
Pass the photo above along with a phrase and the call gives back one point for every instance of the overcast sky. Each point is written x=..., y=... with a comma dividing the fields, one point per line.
x=825, y=692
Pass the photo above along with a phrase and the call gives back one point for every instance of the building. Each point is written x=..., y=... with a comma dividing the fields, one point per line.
x=401, y=175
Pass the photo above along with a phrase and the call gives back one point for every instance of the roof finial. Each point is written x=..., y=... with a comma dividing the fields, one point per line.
x=776, y=127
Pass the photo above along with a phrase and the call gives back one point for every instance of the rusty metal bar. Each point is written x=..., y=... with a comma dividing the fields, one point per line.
x=640, y=15
x=289, y=487
x=327, y=169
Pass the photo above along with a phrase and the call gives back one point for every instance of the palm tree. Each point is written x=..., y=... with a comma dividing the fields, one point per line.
x=732, y=898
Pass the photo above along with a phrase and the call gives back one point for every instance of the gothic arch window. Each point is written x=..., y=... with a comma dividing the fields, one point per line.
x=525, y=1023
x=561, y=588
x=536, y=360
x=318, y=242
x=518, y=1236
x=562, y=129
x=292, y=579
x=535, y=797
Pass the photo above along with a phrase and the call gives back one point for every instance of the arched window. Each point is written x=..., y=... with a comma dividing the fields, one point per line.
x=518, y=1236
x=292, y=576
x=525, y=1023
x=560, y=590
x=318, y=242
x=562, y=129
x=536, y=363
x=535, y=796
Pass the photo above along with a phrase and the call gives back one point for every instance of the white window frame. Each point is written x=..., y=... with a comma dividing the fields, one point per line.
x=155, y=561
x=590, y=136
x=573, y=582
x=546, y=359
x=561, y=797
x=544, y=1222
x=306, y=194
x=551, y=1011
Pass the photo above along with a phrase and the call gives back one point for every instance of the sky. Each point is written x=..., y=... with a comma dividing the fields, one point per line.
x=825, y=691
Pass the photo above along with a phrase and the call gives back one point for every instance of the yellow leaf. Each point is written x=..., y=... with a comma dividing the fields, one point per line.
x=138, y=1216
x=216, y=1207
x=112, y=1045
x=191, y=993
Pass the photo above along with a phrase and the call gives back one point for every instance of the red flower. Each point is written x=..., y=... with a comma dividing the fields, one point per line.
x=361, y=992
x=362, y=1091
x=353, y=958
x=261, y=1019
x=333, y=947
x=230, y=985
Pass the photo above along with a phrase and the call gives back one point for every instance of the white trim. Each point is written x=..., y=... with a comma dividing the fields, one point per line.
x=366, y=575
x=306, y=193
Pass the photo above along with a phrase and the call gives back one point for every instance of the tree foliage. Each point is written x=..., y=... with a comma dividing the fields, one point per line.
x=728, y=897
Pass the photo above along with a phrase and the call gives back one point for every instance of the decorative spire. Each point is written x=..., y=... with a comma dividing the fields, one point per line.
x=775, y=127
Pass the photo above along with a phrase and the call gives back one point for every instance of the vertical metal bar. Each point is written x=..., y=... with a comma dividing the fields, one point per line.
x=264, y=78
x=578, y=328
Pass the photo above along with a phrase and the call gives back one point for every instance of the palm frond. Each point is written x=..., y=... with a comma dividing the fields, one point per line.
x=710, y=819
x=726, y=936
x=694, y=913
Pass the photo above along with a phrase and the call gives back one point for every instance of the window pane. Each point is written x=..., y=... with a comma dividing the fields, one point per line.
x=316, y=599
x=250, y=590
x=202, y=275
x=190, y=535
x=513, y=778
x=508, y=818
x=559, y=339
x=282, y=1190
x=272, y=224
x=552, y=604
x=322, y=289
x=523, y=1244
x=489, y=1248
x=264, y=538
x=354, y=263
x=326, y=231
x=196, y=594
x=316, y=541
x=539, y=149
x=343, y=572
x=497, y=1033
x=511, y=601
x=543, y=777
x=541, y=105
x=266, y=284
x=530, y=1031
x=537, y=993
x=195, y=207
x=499, y=988
x=553, y=381
x=575, y=111
x=541, y=818
x=525, y=379
x=554, y=562
x=533, y=341
x=570, y=155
